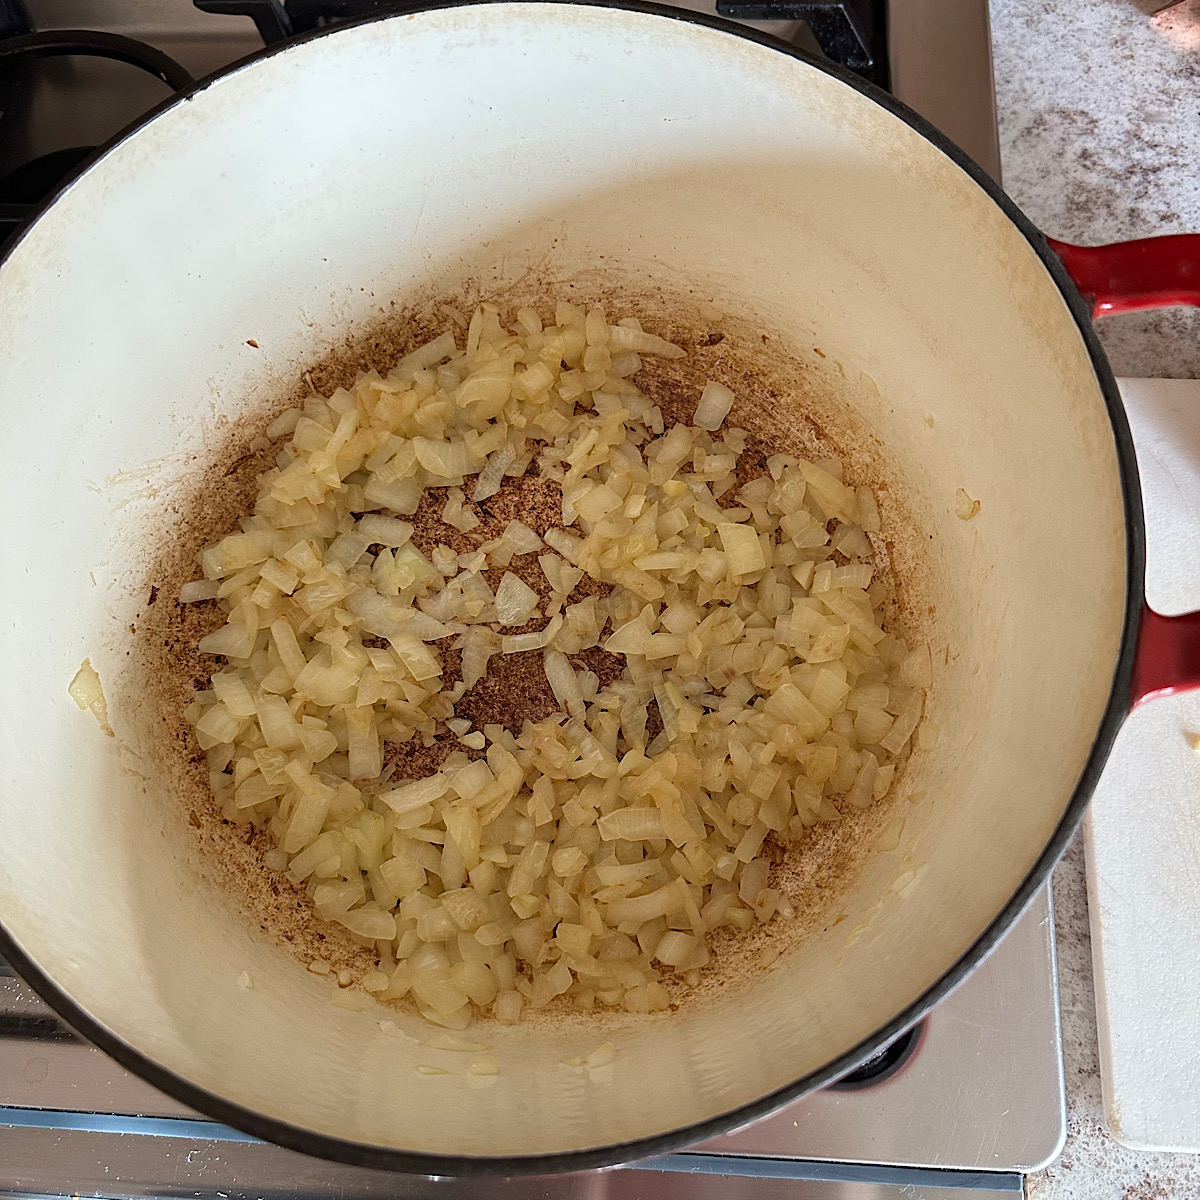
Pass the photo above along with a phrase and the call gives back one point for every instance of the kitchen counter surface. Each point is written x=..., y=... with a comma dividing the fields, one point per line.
x=1099, y=105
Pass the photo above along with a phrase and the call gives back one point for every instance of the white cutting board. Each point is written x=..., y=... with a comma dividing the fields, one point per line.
x=1142, y=833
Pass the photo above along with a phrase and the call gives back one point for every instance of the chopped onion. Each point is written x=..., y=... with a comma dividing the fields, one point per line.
x=478, y=646
x=520, y=642
x=715, y=402
x=867, y=510
x=631, y=824
x=916, y=670
x=631, y=638
x=487, y=482
x=388, y=531
x=564, y=683
x=87, y=693
x=414, y=795
x=522, y=539
x=200, y=589
x=426, y=356
x=578, y=859
x=964, y=506
x=515, y=600
x=742, y=548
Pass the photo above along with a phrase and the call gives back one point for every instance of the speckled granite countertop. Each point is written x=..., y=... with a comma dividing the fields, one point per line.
x=1099, y=106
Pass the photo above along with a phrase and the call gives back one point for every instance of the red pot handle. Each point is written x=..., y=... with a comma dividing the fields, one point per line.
x=1124, y=277
x=1167, y=658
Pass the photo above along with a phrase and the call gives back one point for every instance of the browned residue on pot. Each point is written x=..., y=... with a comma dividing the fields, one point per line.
x=785, y=400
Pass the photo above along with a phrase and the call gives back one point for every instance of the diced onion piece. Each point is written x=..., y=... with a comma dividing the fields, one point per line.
x=715, y=402
x=520, y=642
x=860, y=794
x=564, y=683
x=567, y=545
x=903, y=727
x=742, y=548
x=283, y=424
x=916, y=670
x=521, y=537
x=370, y=923
x=832, y=496
x=199, y=589
x=415, y=795
x=279, y=728
x=871, y=725
x=631, y=638
x=233, y=640
x=387, y=531
x=631, y=824
x=487, y=482
x=365, y=753
x=478, y=646
x=623, y=338
x=233, y=692
x=425, y=356
x=677, y=949
x=87, y=693
x=515, y=600
x=867, y=510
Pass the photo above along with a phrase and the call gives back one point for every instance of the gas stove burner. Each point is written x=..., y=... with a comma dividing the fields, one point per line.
x=849, y=32
x=14, y=19
x=56, y=43
x=883, y=1065
x=32, y=180
x=24, y=187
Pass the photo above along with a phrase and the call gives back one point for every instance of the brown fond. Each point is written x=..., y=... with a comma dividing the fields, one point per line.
x=789, y=398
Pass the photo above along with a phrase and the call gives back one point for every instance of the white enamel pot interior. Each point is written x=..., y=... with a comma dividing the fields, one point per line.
x=289, y=201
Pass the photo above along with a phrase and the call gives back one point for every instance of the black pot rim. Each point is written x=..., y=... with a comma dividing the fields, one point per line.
x=308, y=1141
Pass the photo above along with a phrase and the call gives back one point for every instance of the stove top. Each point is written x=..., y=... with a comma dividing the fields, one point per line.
x=970, y=1099
x=935, y=55
x=961, y=1106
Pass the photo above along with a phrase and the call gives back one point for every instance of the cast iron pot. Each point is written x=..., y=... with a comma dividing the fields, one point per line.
x=286, y=202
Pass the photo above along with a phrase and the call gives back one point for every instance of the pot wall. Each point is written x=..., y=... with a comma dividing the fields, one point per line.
x=292, y=199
